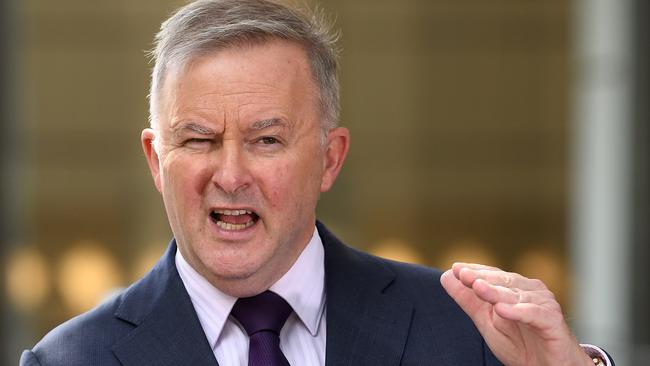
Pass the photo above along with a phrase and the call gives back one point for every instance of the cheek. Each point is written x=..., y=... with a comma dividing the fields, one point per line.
x=292, y=184
x=185, y=177
x=276, y=185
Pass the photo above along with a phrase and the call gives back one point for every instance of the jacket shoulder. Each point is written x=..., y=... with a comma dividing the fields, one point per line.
x=437, y=321
x=418, y=283
x=88, y=338
x=94, y=332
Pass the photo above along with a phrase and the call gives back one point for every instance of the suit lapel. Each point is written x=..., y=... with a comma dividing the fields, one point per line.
x=365, y=325
x=167, y=331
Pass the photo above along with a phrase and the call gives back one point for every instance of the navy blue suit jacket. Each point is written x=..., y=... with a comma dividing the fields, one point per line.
x=379, y=312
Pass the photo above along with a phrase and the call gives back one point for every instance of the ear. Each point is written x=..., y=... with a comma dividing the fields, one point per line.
x=147, y=138
x=336, y=149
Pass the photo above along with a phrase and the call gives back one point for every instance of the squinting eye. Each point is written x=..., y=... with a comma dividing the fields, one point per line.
x=197, y=141
x=269, y=140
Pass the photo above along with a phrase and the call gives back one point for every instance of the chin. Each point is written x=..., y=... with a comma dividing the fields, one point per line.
x=232, y=274
x=239, y=281
x=239, y=268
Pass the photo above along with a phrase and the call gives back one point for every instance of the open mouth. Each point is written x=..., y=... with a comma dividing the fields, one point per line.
x=234, y=220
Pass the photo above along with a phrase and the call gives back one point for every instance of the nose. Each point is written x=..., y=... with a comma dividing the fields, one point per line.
x=231, y=173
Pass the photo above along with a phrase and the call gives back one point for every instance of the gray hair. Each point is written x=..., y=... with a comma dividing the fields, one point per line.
x=206, y=26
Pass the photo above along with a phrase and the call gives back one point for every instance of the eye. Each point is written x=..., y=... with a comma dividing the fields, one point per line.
x=197, y=142
x=268, y=140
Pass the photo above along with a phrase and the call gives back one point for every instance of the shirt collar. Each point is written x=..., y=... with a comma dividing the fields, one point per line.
x=212, y=306
x=302, y=287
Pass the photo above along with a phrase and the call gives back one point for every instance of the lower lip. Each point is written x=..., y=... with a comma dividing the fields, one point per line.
x=233, y=235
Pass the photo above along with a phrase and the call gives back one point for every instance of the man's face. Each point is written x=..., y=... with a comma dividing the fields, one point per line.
x=240, y=162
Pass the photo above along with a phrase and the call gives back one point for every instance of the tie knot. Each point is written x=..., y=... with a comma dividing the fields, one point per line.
x=264, y=312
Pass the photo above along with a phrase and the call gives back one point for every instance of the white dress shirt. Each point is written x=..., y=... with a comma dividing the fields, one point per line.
x=302, y=338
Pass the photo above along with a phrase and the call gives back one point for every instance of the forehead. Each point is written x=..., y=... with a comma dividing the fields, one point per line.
x=250, y=75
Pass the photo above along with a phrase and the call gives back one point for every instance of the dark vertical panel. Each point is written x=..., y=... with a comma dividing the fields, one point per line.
x=9, y=125
x=4, y=51
x=641, y=285
x=10, y=165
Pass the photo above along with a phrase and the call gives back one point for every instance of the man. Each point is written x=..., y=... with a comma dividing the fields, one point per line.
x=243, y=139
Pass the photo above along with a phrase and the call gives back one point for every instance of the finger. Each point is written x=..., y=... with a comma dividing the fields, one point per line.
x=491, y=326
x=499, y=294
x=458, y=266
x=465, y=297
x=494, y=294
x=542, y=317
x=503, y=325
x=501, y=278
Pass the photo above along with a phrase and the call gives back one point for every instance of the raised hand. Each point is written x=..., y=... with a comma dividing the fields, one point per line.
x=518, y=317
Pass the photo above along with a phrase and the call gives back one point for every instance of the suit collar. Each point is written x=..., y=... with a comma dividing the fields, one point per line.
x=366, y=325
x=167, y=330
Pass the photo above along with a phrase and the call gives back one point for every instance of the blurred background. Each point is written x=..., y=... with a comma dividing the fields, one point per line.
x=508, y=132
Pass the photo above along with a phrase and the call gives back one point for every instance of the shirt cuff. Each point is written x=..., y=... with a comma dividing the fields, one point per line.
x=593, y=351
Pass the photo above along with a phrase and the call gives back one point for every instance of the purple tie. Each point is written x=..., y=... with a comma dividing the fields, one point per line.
x=263, y=316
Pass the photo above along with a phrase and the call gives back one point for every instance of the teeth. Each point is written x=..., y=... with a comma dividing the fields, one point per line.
x=233, y=227
x=233, y=212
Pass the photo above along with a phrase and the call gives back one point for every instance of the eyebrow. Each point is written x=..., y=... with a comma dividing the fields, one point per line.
x=193, y=127
x=265, y=123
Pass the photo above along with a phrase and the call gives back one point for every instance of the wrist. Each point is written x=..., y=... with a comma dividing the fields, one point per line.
x=586, y=359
